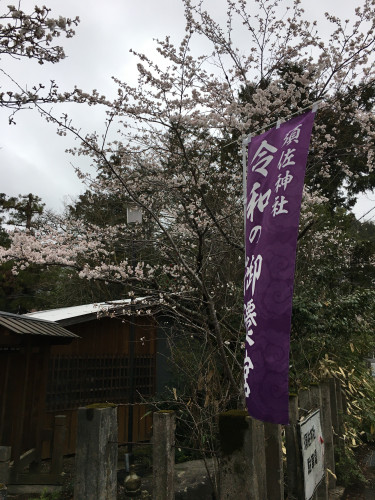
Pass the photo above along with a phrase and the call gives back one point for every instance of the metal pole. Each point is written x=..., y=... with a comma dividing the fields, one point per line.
x=244, y=187
x=131, y=364
x=245, y=142
x=133, y=216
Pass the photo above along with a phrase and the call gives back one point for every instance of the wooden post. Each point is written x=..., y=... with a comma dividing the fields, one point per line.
x=274, y=462
x=163, y=440
x=259, y=455
x=334, y=411
x=315, y=397
x=96, y=454
x=304, y=402
x=305, y=405
x=316, y=404
x=59, y=434
x=344, y=402
x=45, y=351
x=293, y=454
x=5, y=453
x=340, y=408
x=243, y=461
x=327, y=432
x=18, y=442
x=3, y=406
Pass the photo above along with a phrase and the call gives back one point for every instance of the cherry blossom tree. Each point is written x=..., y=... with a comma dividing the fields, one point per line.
x=177, y=150
x=30, y=35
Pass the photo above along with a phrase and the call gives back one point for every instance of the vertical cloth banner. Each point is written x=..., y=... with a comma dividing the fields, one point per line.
x=275, y=174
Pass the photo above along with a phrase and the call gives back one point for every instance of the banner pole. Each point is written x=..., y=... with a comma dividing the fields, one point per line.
x=244, y=187
x=245, y=142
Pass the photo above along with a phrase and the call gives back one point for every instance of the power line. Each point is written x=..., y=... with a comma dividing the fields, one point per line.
x=368, y=211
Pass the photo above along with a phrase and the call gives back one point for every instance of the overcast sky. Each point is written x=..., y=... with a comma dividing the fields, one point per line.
x=32, y=157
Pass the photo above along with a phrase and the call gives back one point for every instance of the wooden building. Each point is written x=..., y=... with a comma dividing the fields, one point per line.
x=98, y=364
x=25, y=346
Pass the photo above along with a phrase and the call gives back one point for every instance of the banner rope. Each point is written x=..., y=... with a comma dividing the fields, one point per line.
x=314, y=107
x=278, y=122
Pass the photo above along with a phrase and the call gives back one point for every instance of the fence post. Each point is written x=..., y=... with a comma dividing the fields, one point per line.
x=96, y=454
x=328, y=433
x=59, y=433
x=259, y=455
x=334, y=411
x=316, y=403
x=243, y=462
x=274, y=462
x=304, y=402
x=305, y=405
x=293, y=460
x=5, y=453
x=340, y=408
x=163, y=458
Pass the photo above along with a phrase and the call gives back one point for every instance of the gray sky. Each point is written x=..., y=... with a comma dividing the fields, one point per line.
x=32, y=156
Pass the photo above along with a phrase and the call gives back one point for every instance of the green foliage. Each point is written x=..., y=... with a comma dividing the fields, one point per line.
x=20, y=211
x=21, y=293
x=334, y=298
x=100, y=209
x=67, y=289
x=26, y=291
x=347, y=470
x=359, y=389
x=333, y=322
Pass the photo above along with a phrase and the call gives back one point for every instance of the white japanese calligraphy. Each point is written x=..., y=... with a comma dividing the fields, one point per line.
x=282, y=182
x=249, y=314
x=278, y=206
x=257, y=200
x=248, y=365
x=286, y=159
x=255, y=231
x=263, y=161
x=252, y=272
x=292, y=136
x=249, y=340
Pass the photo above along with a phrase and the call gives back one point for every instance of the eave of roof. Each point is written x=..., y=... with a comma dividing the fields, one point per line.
x=23, y=325
x=86, y=312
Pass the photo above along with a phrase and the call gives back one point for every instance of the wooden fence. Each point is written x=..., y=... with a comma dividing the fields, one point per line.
x=251, y=462
x=269, y=476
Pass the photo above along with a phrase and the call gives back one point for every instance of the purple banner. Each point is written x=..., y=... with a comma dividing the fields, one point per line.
x=275, y=174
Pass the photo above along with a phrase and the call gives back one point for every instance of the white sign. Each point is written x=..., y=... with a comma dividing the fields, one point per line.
x=312, y=445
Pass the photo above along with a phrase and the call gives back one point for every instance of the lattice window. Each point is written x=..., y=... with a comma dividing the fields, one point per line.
x=80, y=380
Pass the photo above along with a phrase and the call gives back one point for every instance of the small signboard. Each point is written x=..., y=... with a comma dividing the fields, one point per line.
x=312, y=445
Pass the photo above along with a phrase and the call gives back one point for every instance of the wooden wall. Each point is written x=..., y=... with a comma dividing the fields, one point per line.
x=110, y=336
x=23, y=376
x=101, y=338
x=24, y=365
